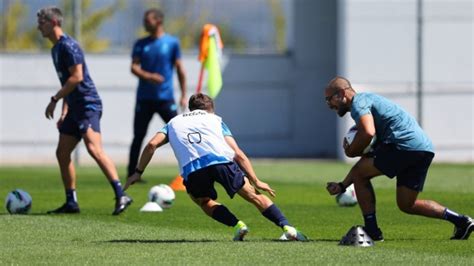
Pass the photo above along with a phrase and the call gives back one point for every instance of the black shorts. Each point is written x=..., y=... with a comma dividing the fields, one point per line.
x=200, y=184
x=77, y=124
x=410, y=167
x=145, y=109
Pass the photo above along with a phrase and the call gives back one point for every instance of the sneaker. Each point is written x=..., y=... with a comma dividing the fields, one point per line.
x=66, y=208
x=376, y=235
x=283, y=237
x=121, y=204
x=464, y=231
x=292, y=233
x=241, y=230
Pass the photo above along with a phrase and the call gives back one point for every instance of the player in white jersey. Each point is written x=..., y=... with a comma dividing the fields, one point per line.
x=207, y=153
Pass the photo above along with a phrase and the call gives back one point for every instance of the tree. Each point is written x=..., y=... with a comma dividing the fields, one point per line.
x=280, y=25
x=188, y=27
x=13, y=17
x=91, y=22
x=11, y=38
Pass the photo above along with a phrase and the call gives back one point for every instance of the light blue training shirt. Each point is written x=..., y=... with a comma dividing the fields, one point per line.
x=393, y=125
x=157, y=55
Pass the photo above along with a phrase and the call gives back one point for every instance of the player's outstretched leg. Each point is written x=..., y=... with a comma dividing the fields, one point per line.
x=407, y=202
x=93, y=141
x=274, y=214
x=270, y=211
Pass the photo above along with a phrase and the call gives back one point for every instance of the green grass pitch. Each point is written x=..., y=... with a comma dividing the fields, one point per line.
x=184, y=235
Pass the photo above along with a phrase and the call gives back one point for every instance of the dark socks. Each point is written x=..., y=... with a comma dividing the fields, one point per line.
x=453, y=217
x=71, y=198
x=370, y=221
x=223, y=215
x=117, y=186
x=274, y=214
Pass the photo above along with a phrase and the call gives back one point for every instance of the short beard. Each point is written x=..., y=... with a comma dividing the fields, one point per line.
x=342, y=110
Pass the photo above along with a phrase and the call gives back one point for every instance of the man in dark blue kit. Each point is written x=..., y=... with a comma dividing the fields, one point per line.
x=153, y=60
x=81, y=112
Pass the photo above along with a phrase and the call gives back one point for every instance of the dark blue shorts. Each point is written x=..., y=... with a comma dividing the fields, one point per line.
x=77, y=124
x=200, y=183
x=410, y=167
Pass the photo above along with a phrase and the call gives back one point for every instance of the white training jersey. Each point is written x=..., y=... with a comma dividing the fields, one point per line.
x=197, y=139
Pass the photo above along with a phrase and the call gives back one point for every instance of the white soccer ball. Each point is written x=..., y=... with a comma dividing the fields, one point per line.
x=350, y=135
x=18, y=202
x=348, y=198
x=163, y=195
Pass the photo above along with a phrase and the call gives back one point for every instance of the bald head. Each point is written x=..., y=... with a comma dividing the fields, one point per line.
x=339, y=94
x=338, y=83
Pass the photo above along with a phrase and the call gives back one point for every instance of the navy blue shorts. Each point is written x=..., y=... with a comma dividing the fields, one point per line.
x=200, y=183
x=77, y=124
x=410, y=167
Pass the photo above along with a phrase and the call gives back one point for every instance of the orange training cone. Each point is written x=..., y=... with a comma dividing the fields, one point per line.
x=177, y=184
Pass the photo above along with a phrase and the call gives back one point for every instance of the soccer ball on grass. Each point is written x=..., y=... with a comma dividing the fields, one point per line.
x=163, y=195
x=18, y=202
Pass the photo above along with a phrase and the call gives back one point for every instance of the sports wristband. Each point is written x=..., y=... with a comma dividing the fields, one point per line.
x=342, y=187
x=139, y=171
x=54, y=99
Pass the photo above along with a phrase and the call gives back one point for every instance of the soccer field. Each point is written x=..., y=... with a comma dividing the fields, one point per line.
x=184, y=235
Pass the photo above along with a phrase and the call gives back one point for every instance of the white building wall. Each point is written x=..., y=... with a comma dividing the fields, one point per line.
x=27, y=83
x=380, y=55
x=274, y=104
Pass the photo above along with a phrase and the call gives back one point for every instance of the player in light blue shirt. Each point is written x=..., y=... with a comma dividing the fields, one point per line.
x=393, y=125
x=207, y=153
x=402, y=149
x=213, y=148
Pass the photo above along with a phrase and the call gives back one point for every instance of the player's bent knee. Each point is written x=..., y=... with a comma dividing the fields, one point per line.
x=62, y=155
x=207, y=205
x=407, y=210
x=406, y=207
x=204, y=202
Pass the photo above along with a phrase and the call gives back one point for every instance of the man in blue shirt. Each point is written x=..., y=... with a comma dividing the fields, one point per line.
x=81, y=112
x=402, y=149
x=153, y=61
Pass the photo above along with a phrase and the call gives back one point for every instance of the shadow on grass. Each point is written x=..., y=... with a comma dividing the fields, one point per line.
x=158, y=241
x=310, y=240
x=27, y=214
